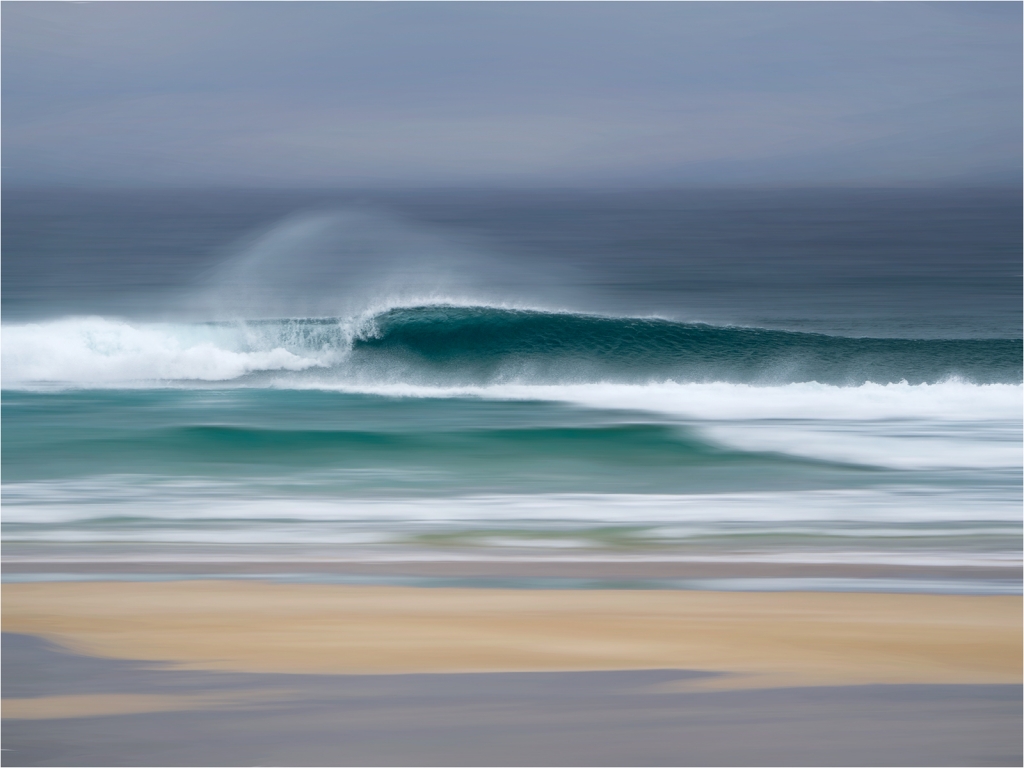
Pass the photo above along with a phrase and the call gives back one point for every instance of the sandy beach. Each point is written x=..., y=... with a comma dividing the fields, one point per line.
x=756, y=638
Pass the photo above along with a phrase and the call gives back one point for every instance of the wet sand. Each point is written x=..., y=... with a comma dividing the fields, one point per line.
x=246, y=673
x=513, y=718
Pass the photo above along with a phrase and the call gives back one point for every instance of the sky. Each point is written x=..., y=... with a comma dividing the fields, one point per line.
x=335, y=94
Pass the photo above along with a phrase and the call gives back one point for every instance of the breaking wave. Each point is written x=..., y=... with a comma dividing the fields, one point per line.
x=449, y=345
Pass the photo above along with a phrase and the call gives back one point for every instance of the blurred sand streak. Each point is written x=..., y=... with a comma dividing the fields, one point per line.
x=103, y=704
x=758, y=639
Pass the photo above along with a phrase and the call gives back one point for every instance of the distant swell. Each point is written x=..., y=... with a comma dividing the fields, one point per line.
x=443, y=345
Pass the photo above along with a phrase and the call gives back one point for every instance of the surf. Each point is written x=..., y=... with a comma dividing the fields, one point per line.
x=455, y=344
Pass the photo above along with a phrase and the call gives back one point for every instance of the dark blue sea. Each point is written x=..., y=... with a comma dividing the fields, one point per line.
x=802, y=376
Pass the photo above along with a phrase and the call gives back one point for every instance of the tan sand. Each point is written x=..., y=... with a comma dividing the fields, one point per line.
x=104, y=704
x=761, y=639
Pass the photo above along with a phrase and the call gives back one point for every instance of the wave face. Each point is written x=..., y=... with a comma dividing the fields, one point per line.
x=451, y=345
x=486, y=343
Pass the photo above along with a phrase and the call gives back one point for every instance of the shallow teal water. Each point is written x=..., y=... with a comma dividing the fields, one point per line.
x=199, y=466
x=382, y=445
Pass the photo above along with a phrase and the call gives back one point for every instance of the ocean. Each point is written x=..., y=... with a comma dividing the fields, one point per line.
x=827, y=378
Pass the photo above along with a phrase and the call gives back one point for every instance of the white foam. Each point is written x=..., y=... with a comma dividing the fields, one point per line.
x=912, y=510
x=95, y=351
x=891, y=443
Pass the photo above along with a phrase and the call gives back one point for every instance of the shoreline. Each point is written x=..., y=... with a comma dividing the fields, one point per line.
x=647, y=563
x=510, y=567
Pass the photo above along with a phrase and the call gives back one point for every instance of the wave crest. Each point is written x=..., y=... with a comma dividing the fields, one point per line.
x=454, y=345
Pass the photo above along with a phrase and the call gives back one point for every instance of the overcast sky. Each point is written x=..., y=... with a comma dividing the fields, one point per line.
x=367, y=94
